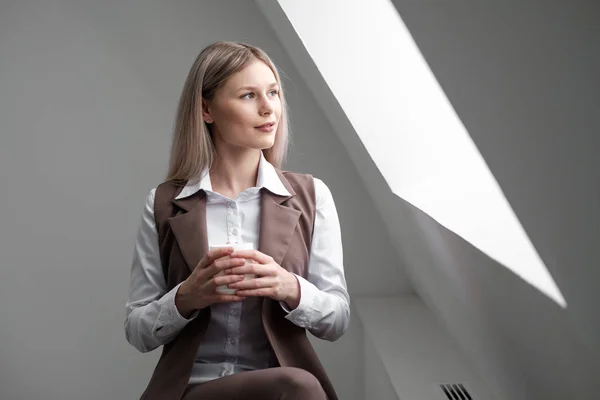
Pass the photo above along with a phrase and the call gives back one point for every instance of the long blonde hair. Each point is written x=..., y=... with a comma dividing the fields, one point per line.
x=192, y=150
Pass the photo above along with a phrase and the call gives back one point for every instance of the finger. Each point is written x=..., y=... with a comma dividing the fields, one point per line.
x=224, y=264
x=255, y=255
x=219, y=280
x=226, y=279
x=223, y=258
x=252, y=268
x=213, y=255
x=258, y=283
x=264, y=292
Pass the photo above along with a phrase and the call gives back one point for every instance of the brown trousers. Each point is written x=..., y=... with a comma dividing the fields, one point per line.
x=279, y=383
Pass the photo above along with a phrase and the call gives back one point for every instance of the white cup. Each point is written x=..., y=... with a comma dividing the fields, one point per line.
x=236, y=246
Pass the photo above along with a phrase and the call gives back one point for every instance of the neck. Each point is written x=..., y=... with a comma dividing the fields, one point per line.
x=234, y=171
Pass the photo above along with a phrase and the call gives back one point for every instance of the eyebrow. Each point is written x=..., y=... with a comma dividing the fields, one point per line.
x=247, y=87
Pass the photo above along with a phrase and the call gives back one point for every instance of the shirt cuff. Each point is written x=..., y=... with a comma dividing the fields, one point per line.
x=169, y=319
x=302, y=314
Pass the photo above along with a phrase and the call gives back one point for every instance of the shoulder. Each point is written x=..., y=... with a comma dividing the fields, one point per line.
x=301, y=182
x=321, y=189
x=322, y=193
x=300, y=185
x=169, y=188
x=149, y=204
x=297, y=179
x=161, y=196
x=167, y=191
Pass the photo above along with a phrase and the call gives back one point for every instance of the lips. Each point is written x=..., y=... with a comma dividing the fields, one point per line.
x=265, y=125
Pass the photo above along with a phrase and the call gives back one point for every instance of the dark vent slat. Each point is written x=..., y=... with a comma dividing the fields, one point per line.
x=456, y=391
x=459, y=391
x=446, y=392
x=454, y=395
x=467, y=395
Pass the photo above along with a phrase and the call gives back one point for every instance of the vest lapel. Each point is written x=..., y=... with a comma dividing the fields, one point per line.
x=189, y=228
x=277, y=225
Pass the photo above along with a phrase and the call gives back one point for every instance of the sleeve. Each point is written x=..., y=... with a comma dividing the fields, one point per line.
x=152, y=319
x=324, y=307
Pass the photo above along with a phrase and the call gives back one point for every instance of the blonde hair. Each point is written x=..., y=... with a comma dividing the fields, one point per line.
x=192, y=149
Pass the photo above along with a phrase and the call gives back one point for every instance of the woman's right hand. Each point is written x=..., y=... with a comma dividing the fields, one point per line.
x=199, y=289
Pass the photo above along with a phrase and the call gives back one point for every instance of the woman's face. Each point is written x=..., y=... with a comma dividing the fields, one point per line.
x=248, y=99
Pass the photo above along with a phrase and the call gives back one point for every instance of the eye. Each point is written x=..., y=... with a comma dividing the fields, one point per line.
x=246, y=95
x=275, y=92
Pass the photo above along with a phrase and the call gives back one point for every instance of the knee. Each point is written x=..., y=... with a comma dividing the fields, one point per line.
x=300, y=381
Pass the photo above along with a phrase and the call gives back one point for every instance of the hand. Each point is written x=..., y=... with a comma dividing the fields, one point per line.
x=198, y=290
x=272, y=280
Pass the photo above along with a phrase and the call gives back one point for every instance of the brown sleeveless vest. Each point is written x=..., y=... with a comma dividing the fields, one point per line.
x=285, y=234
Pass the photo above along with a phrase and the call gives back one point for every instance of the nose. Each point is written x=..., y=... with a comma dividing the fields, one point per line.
x=265, y=106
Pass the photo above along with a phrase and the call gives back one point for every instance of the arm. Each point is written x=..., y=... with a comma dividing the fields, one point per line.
x=324, y=307
x=152, y=319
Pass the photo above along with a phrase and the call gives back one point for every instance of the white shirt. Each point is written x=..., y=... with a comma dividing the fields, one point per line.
x=152, y=319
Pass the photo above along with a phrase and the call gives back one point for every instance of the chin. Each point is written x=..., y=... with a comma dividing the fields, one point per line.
x=265, y=142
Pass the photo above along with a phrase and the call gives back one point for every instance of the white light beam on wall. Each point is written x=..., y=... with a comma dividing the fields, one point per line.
x=380, y=78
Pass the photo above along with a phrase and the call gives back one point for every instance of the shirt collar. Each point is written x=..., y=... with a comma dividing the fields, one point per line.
x=267, y=178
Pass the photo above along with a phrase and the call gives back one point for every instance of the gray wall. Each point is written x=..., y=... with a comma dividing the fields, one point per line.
x=523, y=77
x=88, y=92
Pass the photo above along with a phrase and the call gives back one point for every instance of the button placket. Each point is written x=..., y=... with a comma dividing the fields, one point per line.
x=231, y=345
x=233, y=224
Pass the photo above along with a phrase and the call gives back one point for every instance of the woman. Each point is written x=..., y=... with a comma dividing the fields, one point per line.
x=224, y=186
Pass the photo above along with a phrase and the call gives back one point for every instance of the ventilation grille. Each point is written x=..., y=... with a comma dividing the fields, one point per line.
x=455, y=391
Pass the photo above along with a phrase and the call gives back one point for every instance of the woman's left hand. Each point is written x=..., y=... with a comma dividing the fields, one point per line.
x=271, y=280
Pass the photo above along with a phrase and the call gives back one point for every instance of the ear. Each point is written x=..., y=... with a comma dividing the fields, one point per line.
x=206, y=114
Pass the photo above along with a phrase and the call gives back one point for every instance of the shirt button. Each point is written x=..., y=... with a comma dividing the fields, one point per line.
x=235, y=313
x=234, y=231
x=230, y=360
x=231, y=205
x=232, y=341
